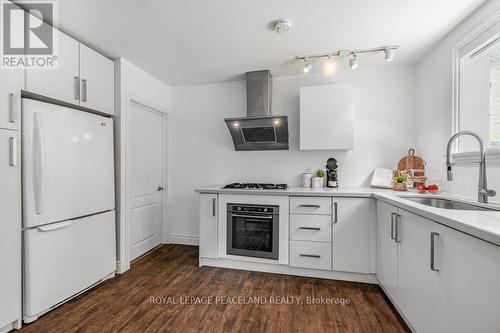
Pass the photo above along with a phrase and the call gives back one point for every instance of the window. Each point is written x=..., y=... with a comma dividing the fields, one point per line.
x=494, y=107
x=479, y=94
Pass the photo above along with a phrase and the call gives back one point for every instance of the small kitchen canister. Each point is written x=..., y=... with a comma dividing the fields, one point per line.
x=306, y=178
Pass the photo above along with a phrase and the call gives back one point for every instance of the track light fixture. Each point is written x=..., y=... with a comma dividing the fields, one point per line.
x=307, y=65
x=341, y=53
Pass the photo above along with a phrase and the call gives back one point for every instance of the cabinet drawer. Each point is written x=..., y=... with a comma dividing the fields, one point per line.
x=313, y=255
x=310, y=205
x=311, y=227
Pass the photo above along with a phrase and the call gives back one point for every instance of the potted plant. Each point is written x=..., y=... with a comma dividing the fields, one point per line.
x=318, y=179
x=399, y=180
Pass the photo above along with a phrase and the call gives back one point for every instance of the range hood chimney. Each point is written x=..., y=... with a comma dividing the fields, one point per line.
x=259, y=130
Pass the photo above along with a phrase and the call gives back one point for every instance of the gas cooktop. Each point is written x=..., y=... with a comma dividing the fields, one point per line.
x=256, y=186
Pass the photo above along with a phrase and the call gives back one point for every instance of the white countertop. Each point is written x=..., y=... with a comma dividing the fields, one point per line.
x=481, y=224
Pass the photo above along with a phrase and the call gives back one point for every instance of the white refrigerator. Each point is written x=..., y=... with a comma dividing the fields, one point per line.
x=68, y=204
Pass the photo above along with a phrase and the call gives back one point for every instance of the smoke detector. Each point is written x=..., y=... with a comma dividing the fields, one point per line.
x=282, y=26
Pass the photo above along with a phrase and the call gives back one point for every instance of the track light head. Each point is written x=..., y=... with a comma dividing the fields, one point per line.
x=330, y=65
x=307, y=65
x=389, y=54
x=353, y=62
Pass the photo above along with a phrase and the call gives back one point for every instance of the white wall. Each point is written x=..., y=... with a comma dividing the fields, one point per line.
x=130, y=81
x=434, y=110
x=203, y=152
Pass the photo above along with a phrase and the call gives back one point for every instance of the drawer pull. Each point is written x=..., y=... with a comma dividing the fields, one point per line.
x=12, y=108
x=213, y=206
x=84, y=90
x=55, y=226
x=336, y=207
x=309, y=206
x=310, y=228
x=310, y=255
x=393, y=215
x=433, y=250
x=76, y=87
x=13, y=151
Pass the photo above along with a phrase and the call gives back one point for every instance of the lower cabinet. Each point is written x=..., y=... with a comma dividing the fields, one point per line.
x=441, y=280
x=10, y=224
x=416, y=279
x=338, y=225
x=315, y=255
x=351, y=235
x=387, y=249
x=466, y=288
x=208, y=225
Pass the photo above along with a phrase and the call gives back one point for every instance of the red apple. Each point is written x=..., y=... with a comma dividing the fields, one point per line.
x=433, y=188
x=421, y=188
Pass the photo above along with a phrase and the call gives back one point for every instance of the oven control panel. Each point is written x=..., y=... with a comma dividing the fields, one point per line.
x=253, y=208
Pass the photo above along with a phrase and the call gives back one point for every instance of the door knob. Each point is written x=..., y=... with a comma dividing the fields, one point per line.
x=160, y=188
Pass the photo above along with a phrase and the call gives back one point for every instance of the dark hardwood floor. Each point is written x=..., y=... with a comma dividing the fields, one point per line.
x=124, y=304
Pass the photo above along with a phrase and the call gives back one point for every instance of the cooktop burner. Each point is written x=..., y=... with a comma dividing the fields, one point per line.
x=257, y=186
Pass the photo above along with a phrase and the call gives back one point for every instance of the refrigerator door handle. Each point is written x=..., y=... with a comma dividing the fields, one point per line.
x=38, y=161
x=55, y=226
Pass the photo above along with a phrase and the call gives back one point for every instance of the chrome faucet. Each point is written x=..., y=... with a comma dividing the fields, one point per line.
x=482, y=192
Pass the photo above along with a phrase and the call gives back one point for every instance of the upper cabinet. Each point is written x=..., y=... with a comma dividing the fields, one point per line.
x=60, y=83
x=327, y=117
x=82, y=76
x=11, y=83
x=96, y=80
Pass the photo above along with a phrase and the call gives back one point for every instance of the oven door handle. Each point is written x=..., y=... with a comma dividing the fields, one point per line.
x=263, y=217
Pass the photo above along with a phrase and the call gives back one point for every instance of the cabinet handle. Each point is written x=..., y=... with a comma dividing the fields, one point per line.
x=309, y=206
x=392, y=226
x=12, y=108
x=13, y=151
x=84, y=90
x=213, y=206
x=310, y=228
x=433, y=250
x=336, y=216
x=396, y=228
x=310, y=255
x=76, y=86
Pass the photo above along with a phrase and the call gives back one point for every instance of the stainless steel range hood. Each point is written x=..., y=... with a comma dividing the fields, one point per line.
x=259, y=130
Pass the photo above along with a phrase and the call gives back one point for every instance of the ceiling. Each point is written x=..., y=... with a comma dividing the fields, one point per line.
x=202, y=41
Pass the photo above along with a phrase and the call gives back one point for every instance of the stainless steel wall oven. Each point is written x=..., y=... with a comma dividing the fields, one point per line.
x=253, y=230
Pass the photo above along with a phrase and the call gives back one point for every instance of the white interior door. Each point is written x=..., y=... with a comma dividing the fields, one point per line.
x=146, y=172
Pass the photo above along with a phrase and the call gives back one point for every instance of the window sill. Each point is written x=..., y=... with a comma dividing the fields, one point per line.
x=472, y=157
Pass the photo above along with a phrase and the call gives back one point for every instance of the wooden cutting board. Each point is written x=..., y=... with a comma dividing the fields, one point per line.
x=412, y=162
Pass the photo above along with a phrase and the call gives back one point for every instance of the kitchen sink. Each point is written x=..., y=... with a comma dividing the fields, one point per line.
x=448, y=204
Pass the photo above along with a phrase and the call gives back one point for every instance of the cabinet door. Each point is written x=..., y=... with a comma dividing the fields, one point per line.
x=327, y=117
x=468, y=283
x=96, y=81
x=351, y=235
x=416, y=279
x=60, y=83
x=208, y=225
x=10, y=98
x=387, y=249
x=10, y=225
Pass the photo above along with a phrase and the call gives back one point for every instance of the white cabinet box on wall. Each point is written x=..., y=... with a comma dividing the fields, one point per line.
x=82, y=77
x=10, y=235
x=208, y=225
x=327, y=117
